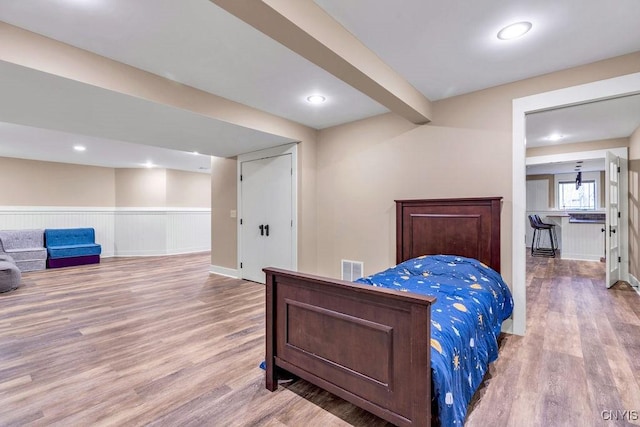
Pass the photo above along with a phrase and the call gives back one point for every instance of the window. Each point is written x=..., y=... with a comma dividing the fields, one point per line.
x=570, y=197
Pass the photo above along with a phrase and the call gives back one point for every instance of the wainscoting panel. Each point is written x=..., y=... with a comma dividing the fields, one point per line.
x=122, y=231
x=101, y=219
x=538, y=195
x=583, y=242
x=188, y=232
x=140, y=233
x=158, y=231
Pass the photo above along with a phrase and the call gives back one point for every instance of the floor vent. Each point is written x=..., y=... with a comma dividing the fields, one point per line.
x=351, y=270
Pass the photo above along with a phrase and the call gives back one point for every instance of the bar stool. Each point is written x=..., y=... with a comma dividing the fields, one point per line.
x=538, y=228
x=554, y=240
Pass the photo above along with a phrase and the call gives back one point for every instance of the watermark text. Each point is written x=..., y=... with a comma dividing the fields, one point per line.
x=620, y=415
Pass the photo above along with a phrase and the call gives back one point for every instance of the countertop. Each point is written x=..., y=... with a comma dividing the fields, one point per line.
x=581, y=217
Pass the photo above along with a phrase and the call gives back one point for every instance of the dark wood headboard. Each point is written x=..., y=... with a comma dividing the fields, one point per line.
x=466, y=227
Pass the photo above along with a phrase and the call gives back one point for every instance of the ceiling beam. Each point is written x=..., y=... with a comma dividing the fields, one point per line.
x=305, y=28
x=31, y=50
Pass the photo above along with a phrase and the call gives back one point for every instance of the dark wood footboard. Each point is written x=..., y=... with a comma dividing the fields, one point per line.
x=368, y=345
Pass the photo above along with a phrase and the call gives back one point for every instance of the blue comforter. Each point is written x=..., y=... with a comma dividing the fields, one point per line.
x=472, y=302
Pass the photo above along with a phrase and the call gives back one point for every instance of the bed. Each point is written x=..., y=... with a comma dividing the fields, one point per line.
x=372, y=345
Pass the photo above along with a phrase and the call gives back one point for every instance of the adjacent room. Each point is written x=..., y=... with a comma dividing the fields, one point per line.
x=223, y=212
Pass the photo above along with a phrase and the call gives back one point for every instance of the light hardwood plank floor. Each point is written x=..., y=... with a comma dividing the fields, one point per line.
x=160, y=341
x=579, y=363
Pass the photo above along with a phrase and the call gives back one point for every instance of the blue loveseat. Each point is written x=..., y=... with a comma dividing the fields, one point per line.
x=71, y=246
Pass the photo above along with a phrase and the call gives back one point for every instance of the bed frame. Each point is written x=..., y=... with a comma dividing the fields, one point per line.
x=368, y=345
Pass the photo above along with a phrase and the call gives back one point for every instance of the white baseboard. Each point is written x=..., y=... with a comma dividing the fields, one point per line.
x=507, y=326
x=149, y=253
x=634, y=282
x=579, y=257
x=224, y=271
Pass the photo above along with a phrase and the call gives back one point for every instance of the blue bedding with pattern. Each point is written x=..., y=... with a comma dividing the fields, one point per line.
x=472, y=302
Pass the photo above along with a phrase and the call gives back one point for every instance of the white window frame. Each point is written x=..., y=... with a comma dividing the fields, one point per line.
x=573, y=183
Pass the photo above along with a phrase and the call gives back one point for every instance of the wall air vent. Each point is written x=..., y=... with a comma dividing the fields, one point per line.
x=352, y=270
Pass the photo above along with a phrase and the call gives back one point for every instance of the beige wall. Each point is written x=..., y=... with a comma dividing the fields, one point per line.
x=307, y=204
x=465, y=151
x=224, y=231
x=188, y=189
x=154, y=187
x=634, y=145
x=36, y=183
x=364, y=166
x=634, y=218
x=634, y=204
x=142, y=188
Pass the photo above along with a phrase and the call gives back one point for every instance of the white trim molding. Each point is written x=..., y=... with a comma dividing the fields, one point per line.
x=161, y=232
x=224, y=271
x=635, y=283
x=162, y=209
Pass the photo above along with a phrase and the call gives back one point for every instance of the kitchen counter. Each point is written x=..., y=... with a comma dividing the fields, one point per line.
x=587, y=218
x=581, y=218
x=578, y=237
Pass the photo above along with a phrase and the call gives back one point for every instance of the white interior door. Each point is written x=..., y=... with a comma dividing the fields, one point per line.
x=612, y=229
x=267, y=215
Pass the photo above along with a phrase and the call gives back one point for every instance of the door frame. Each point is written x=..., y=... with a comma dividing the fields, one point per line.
x=610, y=219
x=291, y=149
x=603, y=89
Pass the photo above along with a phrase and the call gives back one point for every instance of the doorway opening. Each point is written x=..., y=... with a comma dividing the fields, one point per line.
x=605, y=89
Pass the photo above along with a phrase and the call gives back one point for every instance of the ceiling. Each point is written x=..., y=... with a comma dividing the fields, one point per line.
x=442, y=49
x=605, y=119
x=586, y=165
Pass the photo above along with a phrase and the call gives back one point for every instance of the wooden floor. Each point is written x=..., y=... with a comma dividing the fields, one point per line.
x=160, y=341
x=580, y=355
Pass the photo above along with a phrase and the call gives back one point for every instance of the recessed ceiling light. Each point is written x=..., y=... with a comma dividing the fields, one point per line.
x=514, y=31
x=555, y=137
x=195, y=153
x=149, y=164
x=316, y=99
x=79, y=147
